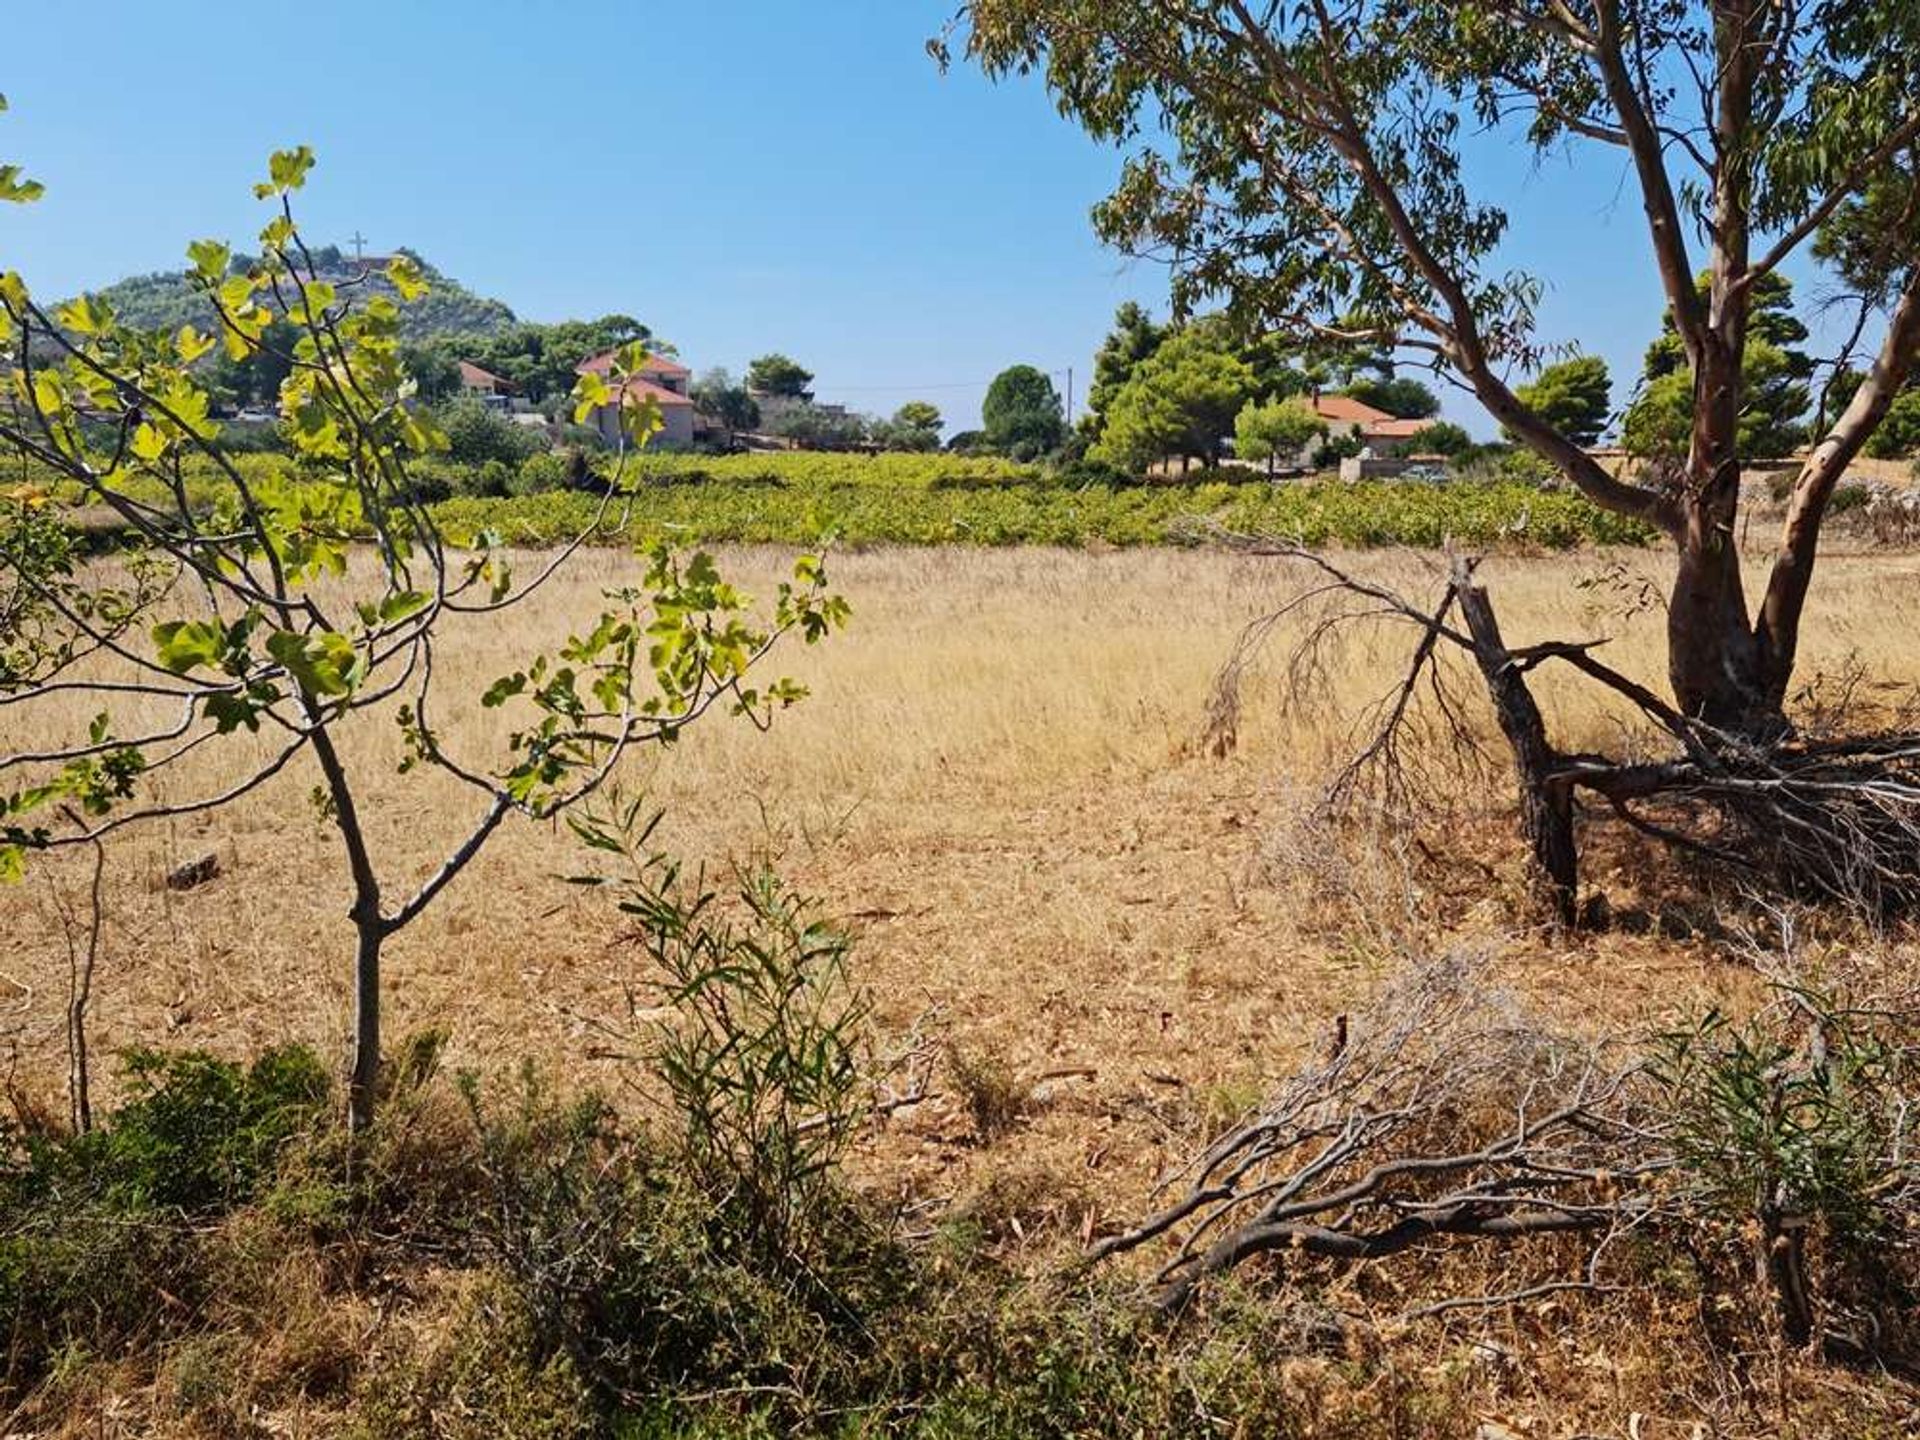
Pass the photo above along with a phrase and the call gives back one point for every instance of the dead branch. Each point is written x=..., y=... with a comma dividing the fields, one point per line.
x=1446, y=1117
x=1816, y=812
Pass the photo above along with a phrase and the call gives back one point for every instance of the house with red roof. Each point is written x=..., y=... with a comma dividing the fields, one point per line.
x=665, y=382
x=1378, y=431
x=489, y=387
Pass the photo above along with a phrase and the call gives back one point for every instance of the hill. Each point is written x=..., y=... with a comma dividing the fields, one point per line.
x=166, y=299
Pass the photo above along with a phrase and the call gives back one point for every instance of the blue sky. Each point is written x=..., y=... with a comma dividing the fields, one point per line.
x=742, y=175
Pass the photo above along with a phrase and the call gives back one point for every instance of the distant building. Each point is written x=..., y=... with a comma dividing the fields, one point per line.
x=493, y=390
x=774, y=407
x=660, y=380
x=1375, y=429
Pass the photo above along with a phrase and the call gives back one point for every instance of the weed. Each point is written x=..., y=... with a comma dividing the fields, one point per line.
x=996, y=1097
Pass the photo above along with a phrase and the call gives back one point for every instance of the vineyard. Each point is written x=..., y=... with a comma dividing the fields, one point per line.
x=804, y=499
x=870, y=510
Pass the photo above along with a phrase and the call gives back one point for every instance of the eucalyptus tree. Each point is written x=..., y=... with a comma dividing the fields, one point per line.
x=1308, y=160
x=259, y=618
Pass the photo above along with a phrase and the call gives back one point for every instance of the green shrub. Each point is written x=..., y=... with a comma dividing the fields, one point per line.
x=197, y=1135
x=1849, y=496
x=476, y=434
x=93, y=1226
x=1795, y=1132
x=541, y=473
x=431, y=481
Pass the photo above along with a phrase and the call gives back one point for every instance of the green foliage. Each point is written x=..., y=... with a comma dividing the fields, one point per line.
x=194, y=1134
x=94, y=1226
x=1406, y=399
x=1768, y=1131
x=476, y=434
x=1133, y=339
x=1795, y=1132
x=435, y=373
x=1659, y=423
x=1775, y=389
x=762, y=1049
x=1183, y=400
x=1442, y=437
x=38, y=555
x=169, y=299
x=1899, y=433
x=1022, y=415
x=915, y=427
x=854, y=501
x=778, y=374
x=1867, y=240
x=1343, y=446
x=254, y=379
x=1574, y=396
x=721, y=399
x=755, y=1031
x=15, y=188
x=1276, y=430
x=540, y=361
x=818, y=428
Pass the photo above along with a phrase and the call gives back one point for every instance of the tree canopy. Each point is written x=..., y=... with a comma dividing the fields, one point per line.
x=777, y=374
x=168, y=299
x=1022, y=414
x=1399, y=396
x=1308, y=164
x=541, y=361
x=1134, y=338
x=1275, y=430
x=1574, y=396
x=720, y=397
x=1181, y=401
x=817, y=427
x=916, y=425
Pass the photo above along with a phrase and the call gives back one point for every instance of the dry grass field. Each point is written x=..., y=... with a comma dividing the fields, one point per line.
x=1110, y=936
x=997, y=783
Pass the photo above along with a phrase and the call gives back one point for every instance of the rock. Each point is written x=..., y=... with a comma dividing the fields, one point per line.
x=194, y=873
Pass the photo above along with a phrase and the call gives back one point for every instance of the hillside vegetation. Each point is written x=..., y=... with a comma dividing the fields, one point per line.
x=166, y=300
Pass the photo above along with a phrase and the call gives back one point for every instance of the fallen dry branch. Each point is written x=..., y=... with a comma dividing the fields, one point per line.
x=1771, y=1158
x=1820, y=813
x=1445, y=1116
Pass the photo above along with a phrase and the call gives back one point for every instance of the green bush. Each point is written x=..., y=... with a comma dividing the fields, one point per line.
x=1849, y=496
x=1795, y=1131
x=541, y=473
x=196, y=1135
x=92, y=1226
x=477, y=434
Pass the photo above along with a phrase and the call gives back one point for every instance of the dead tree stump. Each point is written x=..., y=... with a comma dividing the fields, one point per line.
x=1546, y=802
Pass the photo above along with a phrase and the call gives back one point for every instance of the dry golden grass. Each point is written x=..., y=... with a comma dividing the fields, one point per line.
x=997, y=782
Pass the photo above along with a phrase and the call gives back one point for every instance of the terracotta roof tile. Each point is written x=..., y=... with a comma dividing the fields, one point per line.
x=656, y=365
x=1346, y=410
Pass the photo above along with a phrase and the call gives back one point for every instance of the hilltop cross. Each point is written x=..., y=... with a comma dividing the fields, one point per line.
x=359, y=242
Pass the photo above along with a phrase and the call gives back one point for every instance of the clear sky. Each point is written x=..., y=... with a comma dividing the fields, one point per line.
x=741, y=175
